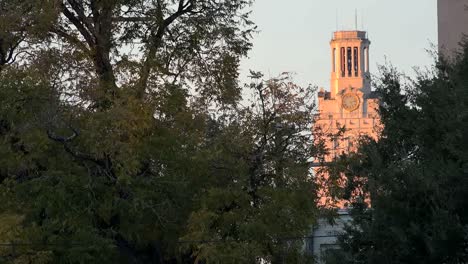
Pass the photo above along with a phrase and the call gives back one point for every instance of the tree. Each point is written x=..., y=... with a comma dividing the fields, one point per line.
x=96, y=138
x=182, y=41
x=260, y=205
x=20, y=20
x=110, y=155
x=415, y=173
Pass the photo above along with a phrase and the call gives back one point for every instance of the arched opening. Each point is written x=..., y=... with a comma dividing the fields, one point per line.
x=356, y=64
x=343, y=62
x=349, y=62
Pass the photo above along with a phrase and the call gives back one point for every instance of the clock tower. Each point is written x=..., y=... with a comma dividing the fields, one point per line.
x=350, y=104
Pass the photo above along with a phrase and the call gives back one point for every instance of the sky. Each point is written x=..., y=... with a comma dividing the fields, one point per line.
x=294, y=35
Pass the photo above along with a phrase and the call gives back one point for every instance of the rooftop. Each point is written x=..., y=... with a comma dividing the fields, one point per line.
x=353, y=34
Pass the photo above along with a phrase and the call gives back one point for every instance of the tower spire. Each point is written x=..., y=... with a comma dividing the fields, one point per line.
x=362, y=19
x=355, y=19
x=336, y=19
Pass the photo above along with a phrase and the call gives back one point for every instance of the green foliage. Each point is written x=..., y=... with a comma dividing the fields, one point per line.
x=415, y=173
x=261, y=189
x=114, y=157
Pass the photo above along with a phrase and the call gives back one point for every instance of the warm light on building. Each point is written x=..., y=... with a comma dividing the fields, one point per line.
x=350, y=105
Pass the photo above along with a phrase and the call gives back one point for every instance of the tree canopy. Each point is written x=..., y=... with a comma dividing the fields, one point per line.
x=415, y=173
x=126, y=138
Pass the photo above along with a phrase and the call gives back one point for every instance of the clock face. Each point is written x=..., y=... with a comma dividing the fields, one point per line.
x=350, y=102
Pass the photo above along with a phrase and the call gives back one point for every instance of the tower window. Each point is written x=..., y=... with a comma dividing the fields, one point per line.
x=349, y=57
x=343, y=62
x=356, y=64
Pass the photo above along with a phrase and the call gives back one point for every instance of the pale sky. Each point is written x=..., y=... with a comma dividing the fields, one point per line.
x=295, y=34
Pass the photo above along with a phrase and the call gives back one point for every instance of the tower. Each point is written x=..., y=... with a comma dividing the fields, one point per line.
x=350, y=105
x=350, y=61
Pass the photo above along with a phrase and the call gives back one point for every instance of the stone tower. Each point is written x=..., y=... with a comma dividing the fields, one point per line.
x=350, y=61
x=350, y=103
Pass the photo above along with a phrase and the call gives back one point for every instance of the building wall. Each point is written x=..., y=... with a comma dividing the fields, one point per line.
x=452, y=24
x=324, y=236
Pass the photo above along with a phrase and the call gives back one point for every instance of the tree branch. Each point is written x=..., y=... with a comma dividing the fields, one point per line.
x=79, y=10
x=62, y=139
x=71, y=39
x=156, y=41
x=78, y=24
x=65, y=142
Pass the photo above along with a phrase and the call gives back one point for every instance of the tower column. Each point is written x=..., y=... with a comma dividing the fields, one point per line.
x=362, y=59
x=360, y=62
x=367, y=59
x=333, y=60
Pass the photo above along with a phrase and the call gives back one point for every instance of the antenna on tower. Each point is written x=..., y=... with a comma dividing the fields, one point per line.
x=362, y=19
x=355, y=18
x=337, y=19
